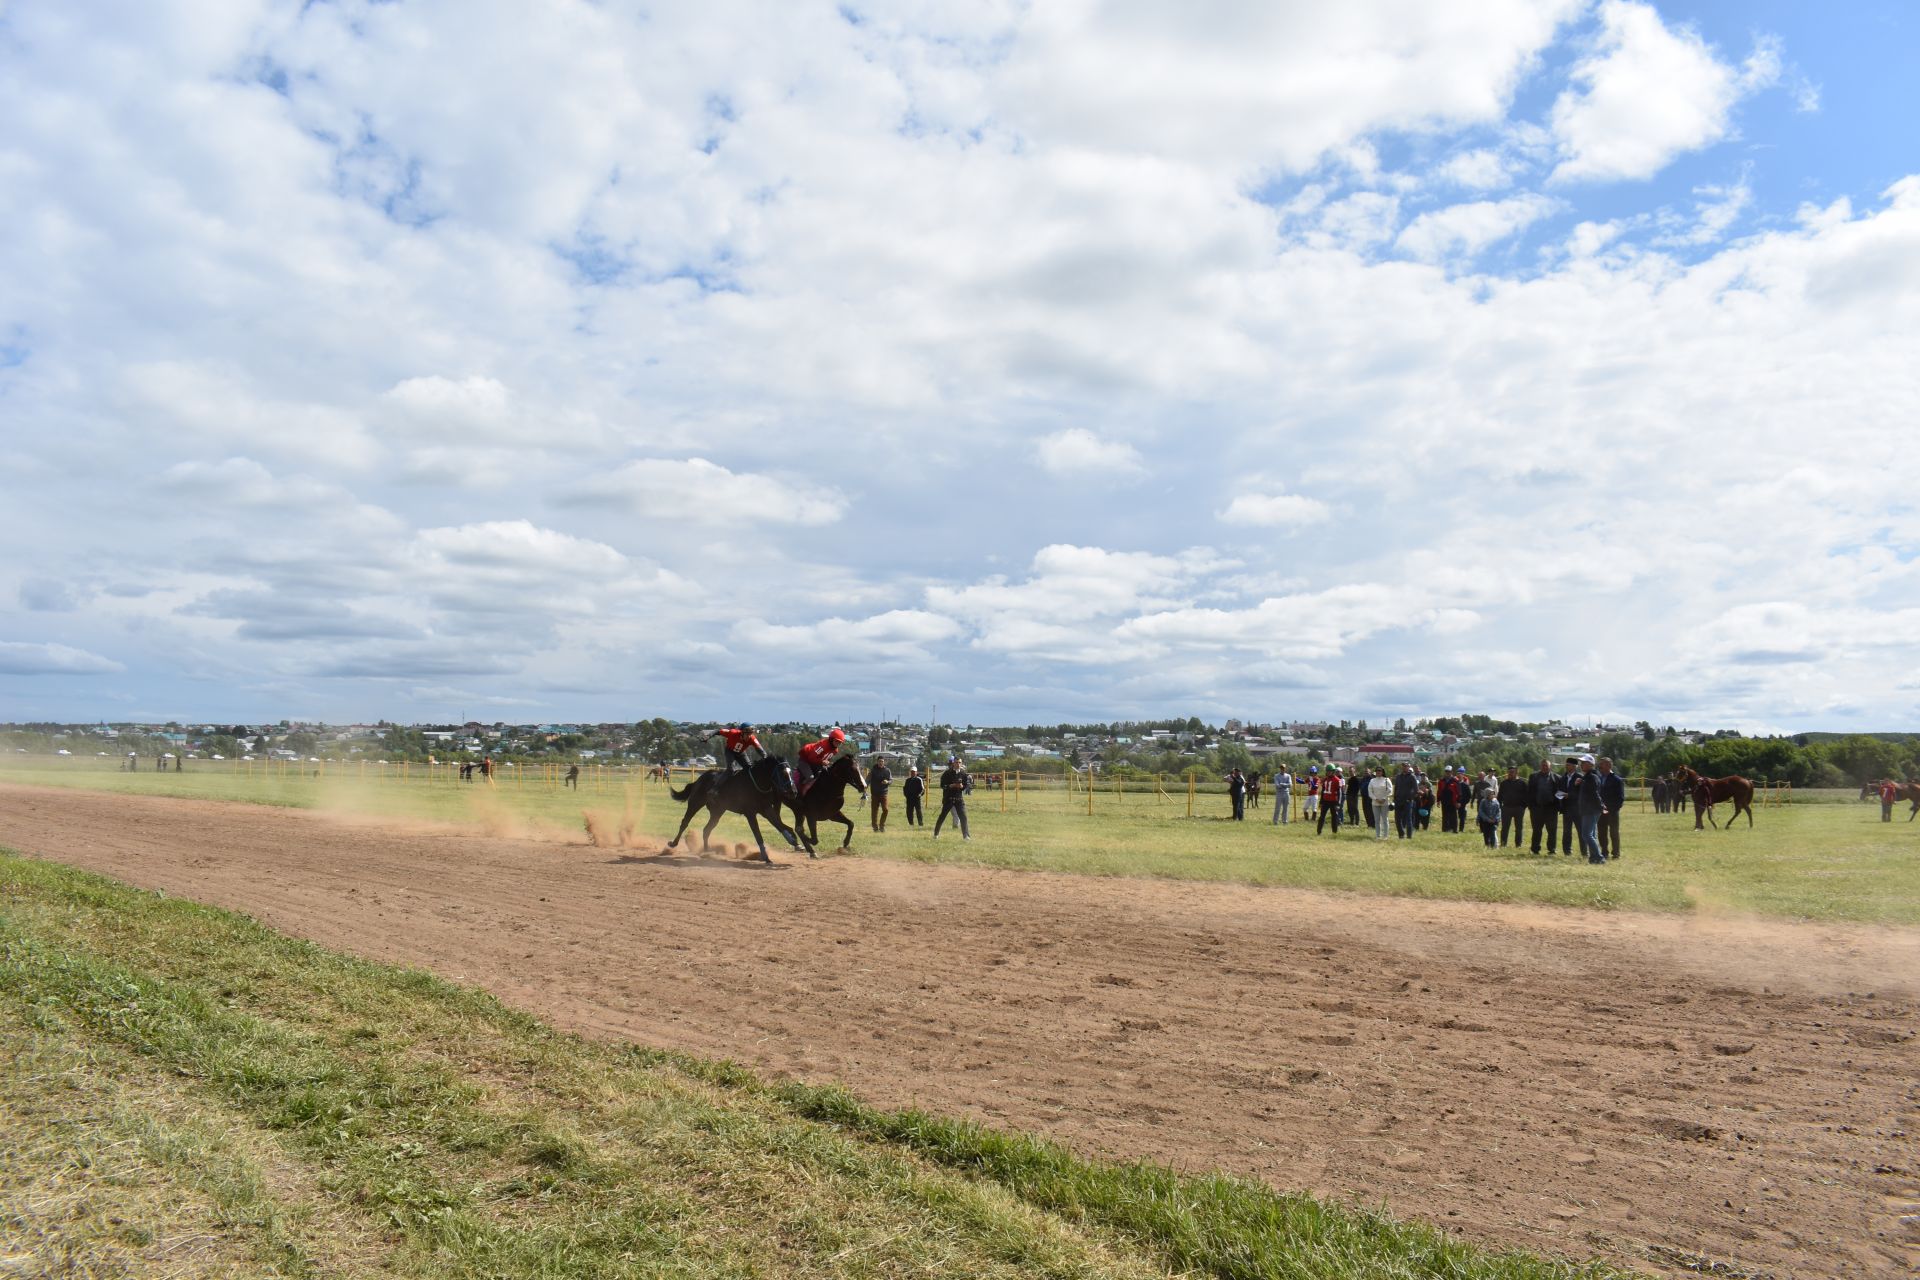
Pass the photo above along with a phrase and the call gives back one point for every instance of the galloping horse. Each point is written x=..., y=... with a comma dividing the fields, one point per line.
x=658, y=772
x=1708, y=792
x=1911, y=792
x=823, y=800
x=756, y=792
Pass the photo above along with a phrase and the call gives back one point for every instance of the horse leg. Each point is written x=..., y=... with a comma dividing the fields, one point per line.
x=790, y=836
x=753, y=825
x=846, y=843
x=693, y=807
x=706, y=832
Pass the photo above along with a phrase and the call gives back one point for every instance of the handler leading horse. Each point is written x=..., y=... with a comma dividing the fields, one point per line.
x=1708, y=792
x=756, y=792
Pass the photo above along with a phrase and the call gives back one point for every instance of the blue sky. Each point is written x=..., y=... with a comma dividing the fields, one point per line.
x=1085, y=360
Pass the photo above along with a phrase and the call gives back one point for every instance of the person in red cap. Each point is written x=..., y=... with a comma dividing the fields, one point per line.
x=734, y=742
x=816, y=756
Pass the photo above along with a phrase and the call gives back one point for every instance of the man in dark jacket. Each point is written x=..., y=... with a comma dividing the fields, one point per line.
x=1515, y=795
x=911, y=791
x=1566, y=786
x=1545, y=809
x=1237, y=791
x=1588, y=808
x=879, y=781
x=955, y=782
x=1613, y=794
x=1406, y=796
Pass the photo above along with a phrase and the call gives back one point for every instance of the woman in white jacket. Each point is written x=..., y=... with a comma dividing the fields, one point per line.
x=1380, y=791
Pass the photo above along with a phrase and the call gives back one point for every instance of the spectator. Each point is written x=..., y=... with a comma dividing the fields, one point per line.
x=1329, y=800
x=1379, y=801
x=1282, y=794
x=1613, y=794
x=1406, y=799
x=1351, y=790
x=1545, y=808
x=1237, y=792
x=1488, y=806
x=573, y=776
x=954, y=785
x=1588, y=808
x=879, y=782
x=1424, y=800
x=912, y=790
x=1889, y=792
x=1564, y=792
x=1514, y=795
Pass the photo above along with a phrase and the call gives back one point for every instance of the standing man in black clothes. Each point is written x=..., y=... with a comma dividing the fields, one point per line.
x=879, y=781
x=1515, y=796
x=1613, y=794
x=912, y=789
x=955, y=782
x=1237, y=790
x=1565, y=788
x=1406, y=798
x=1545, y=809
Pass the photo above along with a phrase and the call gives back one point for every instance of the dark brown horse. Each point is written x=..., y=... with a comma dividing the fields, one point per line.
x=1911, y=793
x=824, y=799
x=1708, y=792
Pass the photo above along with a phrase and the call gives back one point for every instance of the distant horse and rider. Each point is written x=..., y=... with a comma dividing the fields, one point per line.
x=756, y=792
x=1707, y=792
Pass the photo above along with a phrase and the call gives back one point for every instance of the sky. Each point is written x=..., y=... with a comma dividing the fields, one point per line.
x=464, y=359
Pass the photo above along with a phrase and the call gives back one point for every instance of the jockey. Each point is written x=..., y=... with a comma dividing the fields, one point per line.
x=816, y=756
x=734, y=742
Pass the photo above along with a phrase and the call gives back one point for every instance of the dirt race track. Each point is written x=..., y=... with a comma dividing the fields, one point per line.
x=1661, y=1091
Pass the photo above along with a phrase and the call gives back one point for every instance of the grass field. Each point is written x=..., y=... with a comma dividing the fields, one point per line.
x=185, y=1093
x=1820, y=857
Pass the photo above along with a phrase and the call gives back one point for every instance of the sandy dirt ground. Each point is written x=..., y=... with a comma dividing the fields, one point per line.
x=1671, y=1093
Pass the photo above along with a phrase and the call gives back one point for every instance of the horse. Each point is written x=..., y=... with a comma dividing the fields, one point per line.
x=1708, y=792
x=657, y=772
x=823, y=800
x=756, y=792
x=1911, y=793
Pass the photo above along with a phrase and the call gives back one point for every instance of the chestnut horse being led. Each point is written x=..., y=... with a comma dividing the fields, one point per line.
x=1708, y=792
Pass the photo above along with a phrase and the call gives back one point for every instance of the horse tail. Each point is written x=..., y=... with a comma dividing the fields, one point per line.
x=681, y=793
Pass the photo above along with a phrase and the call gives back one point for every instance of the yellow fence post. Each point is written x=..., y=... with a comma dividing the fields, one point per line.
x=1189, y=793
x=1089, y=791
x=1003, y=793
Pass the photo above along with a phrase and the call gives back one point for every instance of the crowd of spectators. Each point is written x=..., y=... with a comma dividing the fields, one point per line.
x=1574, y=809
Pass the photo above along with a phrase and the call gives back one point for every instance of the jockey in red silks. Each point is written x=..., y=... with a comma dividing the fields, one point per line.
x=816, y=756
x=735, y=742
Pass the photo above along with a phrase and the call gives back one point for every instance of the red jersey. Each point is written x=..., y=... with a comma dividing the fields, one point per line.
x=1330, y=789
x=818, y=753
x=739, y=739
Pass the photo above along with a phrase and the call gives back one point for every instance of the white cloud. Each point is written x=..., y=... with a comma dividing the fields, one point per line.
x=468, y=409
x=1481, y=170
x=21, y=659
x=706, y=493
x=1078, y=451
x=1469, y=228
x=1646, y=94
x=1283, y=510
